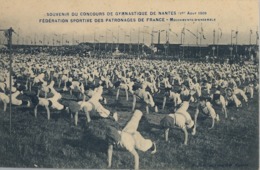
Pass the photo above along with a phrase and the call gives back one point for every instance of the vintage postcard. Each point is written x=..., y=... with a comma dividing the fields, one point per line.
x=128, y=84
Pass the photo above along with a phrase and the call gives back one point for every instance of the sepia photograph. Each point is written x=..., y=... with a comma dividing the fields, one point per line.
x=128, y=84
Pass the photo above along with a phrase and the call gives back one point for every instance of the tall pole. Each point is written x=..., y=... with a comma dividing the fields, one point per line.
x=257, y=37
x=34, y=39
x=10, y=31
x=143, y=41
x=94, y=41
x=118, y=37
x=8, y=34
x=183, y=41
x=166, y=45
x=73, y=38
x=62, y=39
x=107, y=40
x=236, y=40
x=231, y=37
x=200, y=42
x=197, y=41
x=99, y=44
x=214, y=32
x=106, y=43
x=124, y=40
x=130, y=45
x=43, y=42
x=138, y=41
x=217, y=43
x=152, y=37
x=112, y=42
x=18, y=36
x=159, y=37
x=250, y=37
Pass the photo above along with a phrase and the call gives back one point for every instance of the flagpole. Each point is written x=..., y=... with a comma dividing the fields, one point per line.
x=168, y=39
x=8, y=34
x=118, y=37
x=217, y=43
x=35, y=39
x=214, y=32
x=94, y=41
x=43, y=39
x=159, y=34
x=236, y=40
x=200, y=41
x=124, y=40
x=152, y=40
x=166, y=47
x=112, y=42
x=143, y=41
x=10, y=30
x=18, y=38
x=138, y=42
x=250, y=37
x=130, y=45
x=99, y=44
x=257, y=36
x=231, y=37
x=197, y=41
x=183, y=41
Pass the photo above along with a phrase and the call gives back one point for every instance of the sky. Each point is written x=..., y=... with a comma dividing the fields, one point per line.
x=24, y=17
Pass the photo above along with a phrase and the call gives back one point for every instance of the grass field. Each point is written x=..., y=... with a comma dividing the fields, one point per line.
x=37, y=142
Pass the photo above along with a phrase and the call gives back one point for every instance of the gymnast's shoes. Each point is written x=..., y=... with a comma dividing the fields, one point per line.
x=115, y=116
x=105, y=100
x=217, y=117
x=28, y=103
x=153, y=148
x=156, y=109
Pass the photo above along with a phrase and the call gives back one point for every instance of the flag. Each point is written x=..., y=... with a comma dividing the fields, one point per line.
x=6, y=34
x=220, y=33
x=192, y=33
x=183, y=30
x=235, y=34
x=203, y=36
